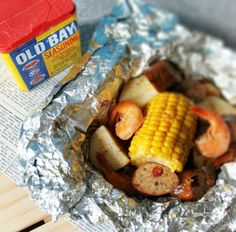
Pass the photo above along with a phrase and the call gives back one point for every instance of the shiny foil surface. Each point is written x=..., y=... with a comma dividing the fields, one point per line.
x=54, y=140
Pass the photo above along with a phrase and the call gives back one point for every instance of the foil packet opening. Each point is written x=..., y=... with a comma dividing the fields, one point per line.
x=54, y=140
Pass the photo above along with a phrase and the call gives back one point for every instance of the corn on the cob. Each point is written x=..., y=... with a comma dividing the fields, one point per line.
x=166, y=134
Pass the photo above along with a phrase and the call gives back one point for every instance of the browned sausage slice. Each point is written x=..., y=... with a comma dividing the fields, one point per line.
x=163, y=75
x=194, y=183
x=153, y=179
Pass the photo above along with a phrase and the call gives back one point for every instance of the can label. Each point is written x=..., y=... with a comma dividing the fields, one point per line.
x=48, y=54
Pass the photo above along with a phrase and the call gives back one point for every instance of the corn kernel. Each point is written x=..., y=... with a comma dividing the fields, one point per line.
x=176, y=126
x=170, y=139
x=155, y=150
x=188, y=123
x=183, y=135
x=166, y=150
x=163, y=128
x=165, y=123
x=178, y=150
x=160, y=135
x=173, y=100
x=168, y=143
x=157, y=143
x=174, y=130
x=169, y=112
x=172, y=135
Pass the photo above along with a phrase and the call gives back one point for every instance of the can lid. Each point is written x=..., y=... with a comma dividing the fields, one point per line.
x=22, y=20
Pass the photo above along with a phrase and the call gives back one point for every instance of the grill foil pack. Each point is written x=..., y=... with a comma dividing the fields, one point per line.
x=54, y=140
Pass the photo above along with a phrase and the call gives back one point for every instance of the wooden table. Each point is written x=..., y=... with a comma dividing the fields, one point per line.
x=19, y=213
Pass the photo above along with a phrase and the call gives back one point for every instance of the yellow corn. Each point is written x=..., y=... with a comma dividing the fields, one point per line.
x=167, y=133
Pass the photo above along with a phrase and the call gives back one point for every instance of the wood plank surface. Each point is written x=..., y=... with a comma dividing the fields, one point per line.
x=6, y=183
x=18, y=212
x=62, y=225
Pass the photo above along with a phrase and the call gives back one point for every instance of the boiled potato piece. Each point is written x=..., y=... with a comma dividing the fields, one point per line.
x=104, y=143
x=139, y=91
x=218, y=105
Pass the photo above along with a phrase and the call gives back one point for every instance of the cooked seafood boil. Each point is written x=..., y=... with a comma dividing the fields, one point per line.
x=154, y=142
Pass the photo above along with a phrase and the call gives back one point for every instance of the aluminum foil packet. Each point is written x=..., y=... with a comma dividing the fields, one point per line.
x=54, y=140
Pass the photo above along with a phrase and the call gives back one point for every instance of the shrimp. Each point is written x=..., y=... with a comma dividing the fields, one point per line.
x=215, y=141
x=127, y=118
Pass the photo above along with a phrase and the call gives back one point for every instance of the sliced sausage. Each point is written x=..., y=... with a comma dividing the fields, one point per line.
x=163, y=75
x=153, y=179
x=194, y=183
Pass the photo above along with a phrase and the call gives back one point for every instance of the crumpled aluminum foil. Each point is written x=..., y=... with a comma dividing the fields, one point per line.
x=54, y=140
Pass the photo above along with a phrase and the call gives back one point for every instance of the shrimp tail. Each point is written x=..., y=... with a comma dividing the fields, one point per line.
x=212, y=117
x=202, y=113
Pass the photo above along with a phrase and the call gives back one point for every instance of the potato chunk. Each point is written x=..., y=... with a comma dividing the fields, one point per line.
x=104, y=143
x=139, y=91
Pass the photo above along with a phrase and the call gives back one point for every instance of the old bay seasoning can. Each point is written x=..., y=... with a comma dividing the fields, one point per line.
x=38, y=39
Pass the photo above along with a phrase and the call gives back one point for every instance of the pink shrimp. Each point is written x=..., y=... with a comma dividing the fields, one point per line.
x=127, y=118
x=215, y=141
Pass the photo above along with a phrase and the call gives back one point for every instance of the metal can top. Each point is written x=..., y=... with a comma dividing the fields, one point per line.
x=22, y=20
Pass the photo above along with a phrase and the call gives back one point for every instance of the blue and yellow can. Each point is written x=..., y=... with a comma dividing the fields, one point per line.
x=46, y=47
